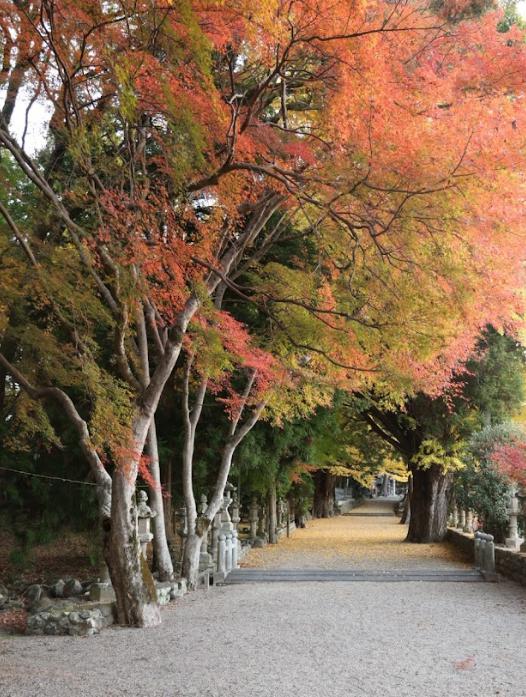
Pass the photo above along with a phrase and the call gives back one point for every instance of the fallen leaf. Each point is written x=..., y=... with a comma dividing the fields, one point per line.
x=465, y=663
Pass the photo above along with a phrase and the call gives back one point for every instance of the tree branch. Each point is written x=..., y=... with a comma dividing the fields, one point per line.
x=101, y=476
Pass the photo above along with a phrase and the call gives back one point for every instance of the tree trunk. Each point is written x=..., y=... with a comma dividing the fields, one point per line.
x=132, y=581
x=272, y=515
x=14, y=86
x=191, y=554
x=385, y=485
x=429, y=505
x=163, y=560
x=166, y=481
x=323, y=504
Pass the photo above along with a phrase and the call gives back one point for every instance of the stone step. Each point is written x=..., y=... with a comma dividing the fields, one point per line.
x=364, y=514
x=239, y=576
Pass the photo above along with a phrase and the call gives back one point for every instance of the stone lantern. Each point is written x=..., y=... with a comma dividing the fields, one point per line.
x=512, y=541
x=144, y=516
x=236, y=509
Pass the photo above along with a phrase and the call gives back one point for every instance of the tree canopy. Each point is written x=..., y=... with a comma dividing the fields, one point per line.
x=245, y=210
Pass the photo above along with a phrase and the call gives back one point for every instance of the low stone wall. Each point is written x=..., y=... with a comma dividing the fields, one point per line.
x=463, y=542
x=508, y=562
x=63, y=617
x=83, y=617
x=170, y=590
x=511, y=564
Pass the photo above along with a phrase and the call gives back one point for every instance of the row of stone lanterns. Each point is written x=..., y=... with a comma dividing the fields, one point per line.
x=220, y=548
x=259, y=521
x=220, y=545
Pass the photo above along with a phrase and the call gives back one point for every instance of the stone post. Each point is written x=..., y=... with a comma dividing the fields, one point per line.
x=512, y=541
x=228, y=551
x=485, y=556
x=221, y=566
x=462, y=519
x=235, y=549
x=144, y=516
x=253, y=516
x=489, y=559
x=468, y=527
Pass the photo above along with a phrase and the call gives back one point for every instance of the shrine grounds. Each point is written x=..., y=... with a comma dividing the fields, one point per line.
x=302, y=639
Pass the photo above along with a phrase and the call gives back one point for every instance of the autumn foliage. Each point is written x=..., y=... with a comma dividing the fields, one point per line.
x=510, y=460
x=316, y=195
x=391, y=136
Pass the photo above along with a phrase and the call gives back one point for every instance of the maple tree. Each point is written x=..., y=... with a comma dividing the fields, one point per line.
x=188, y=142
x=510, y=459
x=483, y=485
x=260, y=372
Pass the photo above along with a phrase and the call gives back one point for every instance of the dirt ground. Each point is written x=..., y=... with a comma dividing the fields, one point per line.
x=71, y=554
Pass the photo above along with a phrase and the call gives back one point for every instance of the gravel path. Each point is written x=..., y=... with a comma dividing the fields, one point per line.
x=299, y=640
